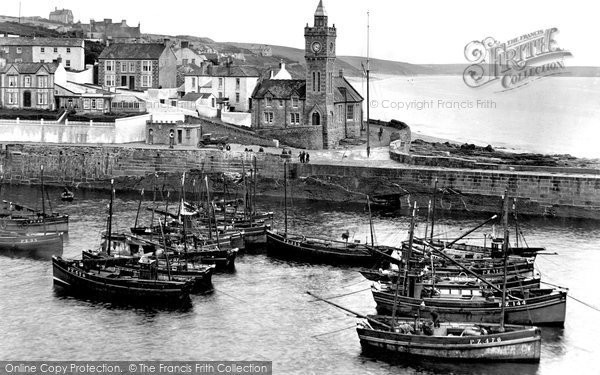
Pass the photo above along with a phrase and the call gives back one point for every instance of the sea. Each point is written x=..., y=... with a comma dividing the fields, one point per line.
x=261, y=311
x=549, y=115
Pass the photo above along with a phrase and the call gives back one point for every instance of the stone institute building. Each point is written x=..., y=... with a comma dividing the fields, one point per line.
x=318, y=111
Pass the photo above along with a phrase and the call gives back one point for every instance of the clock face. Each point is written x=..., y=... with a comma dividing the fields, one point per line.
x=316, y=47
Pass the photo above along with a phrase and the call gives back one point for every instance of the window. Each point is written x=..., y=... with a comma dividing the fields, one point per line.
x=12, y=81
x=295, y=102
x=110, y=66
x=42, y=98
x=173, y=103
x=42, y=49
x=350, y=112
x=269, y=117
x=220, y=83
x=188, y=133
x=281, y=102
x=100, y=103
x=123, y=66
x=55, y=50
x=68, y=63
x=68, y=49
x=193, y=81
x=93, y=103
x=12, y=98
x=314, y=81
x=27, y=81
x=146, y=80
x=86, y=104
x=19, y=60
x=237, y=83
x=295, y=118
x=42, y=81
x=109, y=80
x=42, y=61
x=19, y=50
x=237, y=97
x=146, y=66
x=193, y=61
x=269, y=100
x=131, y=67
x=319, y=81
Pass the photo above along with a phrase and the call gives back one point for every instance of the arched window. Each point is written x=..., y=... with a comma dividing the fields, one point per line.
x=316, y=118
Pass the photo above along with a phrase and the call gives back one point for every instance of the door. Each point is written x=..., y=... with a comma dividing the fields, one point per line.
x=131, y=82
x=27, y=99
x=123, y=80
x=179, y=136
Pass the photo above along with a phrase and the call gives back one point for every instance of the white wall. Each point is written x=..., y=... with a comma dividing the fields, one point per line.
x=131, y=129
x=76, y=56
x=85, y=76
x=207, y=111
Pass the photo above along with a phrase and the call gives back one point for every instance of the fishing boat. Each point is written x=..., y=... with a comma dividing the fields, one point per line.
x=316, y=250
x=93, y=278
x=452, y=340
x=18, y=218
x=35, y=245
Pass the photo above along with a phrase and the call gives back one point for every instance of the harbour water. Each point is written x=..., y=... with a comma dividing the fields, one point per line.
x=261, y=311
x=554, y=115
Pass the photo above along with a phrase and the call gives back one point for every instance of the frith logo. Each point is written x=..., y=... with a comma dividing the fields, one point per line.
x=514, y=63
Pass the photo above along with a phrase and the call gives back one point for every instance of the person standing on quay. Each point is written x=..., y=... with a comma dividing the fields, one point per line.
x=307, y=158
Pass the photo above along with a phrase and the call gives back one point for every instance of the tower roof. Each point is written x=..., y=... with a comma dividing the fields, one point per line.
x=320, y=9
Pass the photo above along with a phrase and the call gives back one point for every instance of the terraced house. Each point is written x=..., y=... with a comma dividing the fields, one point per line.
x=44, y=50
x=138, y=66
x=30, y=85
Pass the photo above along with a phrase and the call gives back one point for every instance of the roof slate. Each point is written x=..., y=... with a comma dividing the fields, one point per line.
x=147, y=51
x=30, y=67
x=42, y=42
x=280, y=88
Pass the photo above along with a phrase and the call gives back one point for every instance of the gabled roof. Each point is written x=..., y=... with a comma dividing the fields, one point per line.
x=30, y=68
x=41, y=42
x=345, y=92
x=148, y=51
x=280, y=89
x=193, y=96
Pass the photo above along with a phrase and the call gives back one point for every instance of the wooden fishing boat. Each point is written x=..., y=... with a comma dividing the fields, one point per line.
x=314, y=250
x=92, y=278
x=450, y=340
x=37, y=245
x=33, y=223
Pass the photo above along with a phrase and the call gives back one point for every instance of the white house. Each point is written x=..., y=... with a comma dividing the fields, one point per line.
x=45, y=50
x=228, y=83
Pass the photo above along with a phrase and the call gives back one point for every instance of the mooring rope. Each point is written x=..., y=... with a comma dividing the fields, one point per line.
x=345, y=294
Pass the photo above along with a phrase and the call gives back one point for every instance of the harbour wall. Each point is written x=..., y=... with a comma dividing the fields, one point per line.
x=135, y=167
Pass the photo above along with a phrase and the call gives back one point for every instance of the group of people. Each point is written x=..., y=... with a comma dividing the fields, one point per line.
x=304, y=157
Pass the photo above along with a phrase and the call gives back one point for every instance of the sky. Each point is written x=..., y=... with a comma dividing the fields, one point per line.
x=417, y=31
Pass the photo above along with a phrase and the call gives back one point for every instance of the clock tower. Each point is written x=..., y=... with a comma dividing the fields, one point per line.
x=320, y=59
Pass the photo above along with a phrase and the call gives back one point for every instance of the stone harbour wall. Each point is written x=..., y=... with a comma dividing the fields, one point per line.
x=537, y=193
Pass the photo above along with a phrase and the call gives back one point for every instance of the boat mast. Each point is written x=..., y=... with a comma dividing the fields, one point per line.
x=514, y=207
x=245, y=191
x=183, y=216
x=254, y=188
x=368, y=93
x=137, y=215
x=406, y=267
x=43, y=199
x=505, y=253
x=285, y=197
x=110, y=215
x=433, y=210
x=370, y=221
x=208, y=208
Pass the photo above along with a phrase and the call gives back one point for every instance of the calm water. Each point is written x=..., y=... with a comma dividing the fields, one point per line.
x=261, y=311
x=550, y=115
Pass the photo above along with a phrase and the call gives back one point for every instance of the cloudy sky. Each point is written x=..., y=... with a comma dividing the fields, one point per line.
x=423, y=31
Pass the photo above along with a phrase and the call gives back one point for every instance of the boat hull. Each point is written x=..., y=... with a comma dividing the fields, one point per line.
x=77, y=281
x=520, y=346
x=282, y=247
x=41, y=246
x=57, y=224
x=547, y=310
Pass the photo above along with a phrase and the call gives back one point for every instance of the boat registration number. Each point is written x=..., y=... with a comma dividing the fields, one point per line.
x=512, y=303
x=488, y=340
x=28, y=240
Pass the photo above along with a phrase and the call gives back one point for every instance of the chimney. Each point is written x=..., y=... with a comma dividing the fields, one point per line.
x=341, y=73
x=272, y=75
x=108, y=20
x=166, y=42
x=55, y=8
x=123, y=23
x=185, y=44
x=59, y=60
